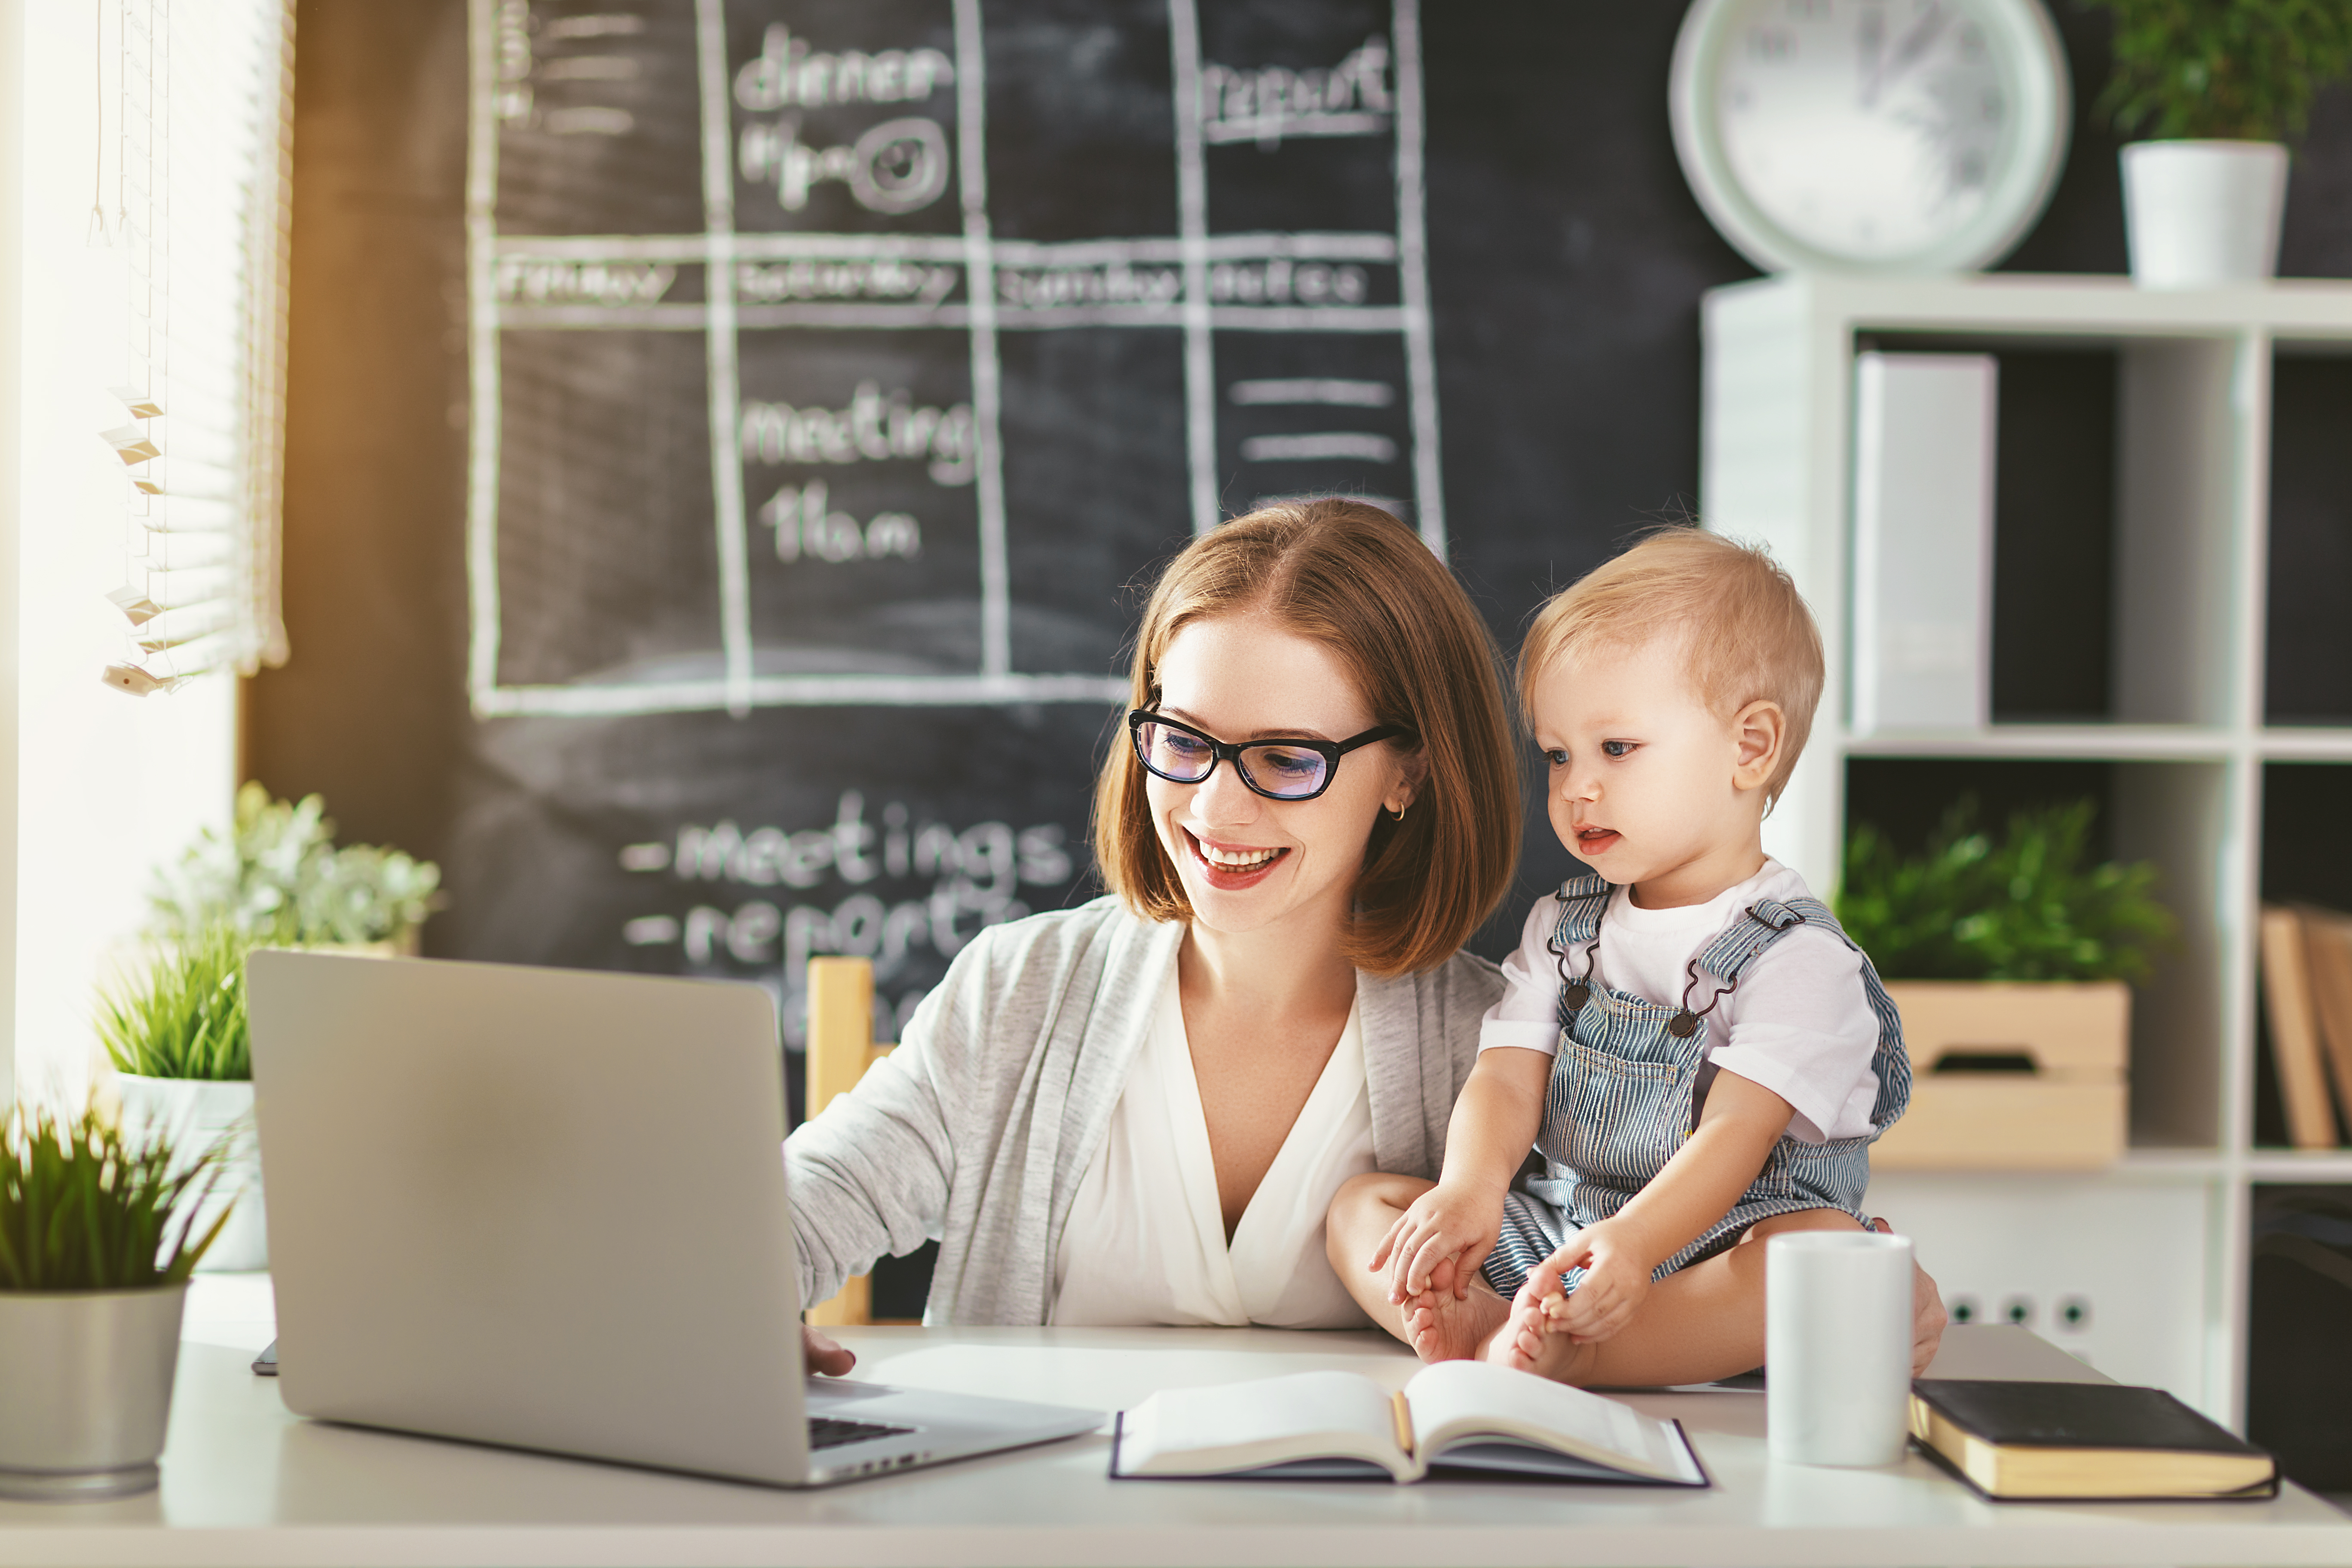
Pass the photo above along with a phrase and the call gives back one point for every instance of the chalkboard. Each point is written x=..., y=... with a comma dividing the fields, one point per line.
x=1564, y=263
x=837, y=371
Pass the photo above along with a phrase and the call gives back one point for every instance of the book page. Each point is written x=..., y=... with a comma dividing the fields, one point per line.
x=1464, y=1399
x=1240, y=1426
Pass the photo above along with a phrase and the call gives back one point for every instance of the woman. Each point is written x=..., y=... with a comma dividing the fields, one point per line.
x=1137, y=1111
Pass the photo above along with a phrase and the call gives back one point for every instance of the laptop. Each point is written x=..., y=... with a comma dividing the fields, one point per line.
x=545, y=1208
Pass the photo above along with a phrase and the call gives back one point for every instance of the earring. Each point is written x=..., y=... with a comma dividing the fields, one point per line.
x=1397, y=812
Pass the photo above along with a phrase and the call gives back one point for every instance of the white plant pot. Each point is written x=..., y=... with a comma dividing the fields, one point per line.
x=195, y=1112
x=2203, y=215
x=85, y=1390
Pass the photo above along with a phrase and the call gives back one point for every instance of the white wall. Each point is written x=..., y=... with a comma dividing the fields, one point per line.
x=107, y=787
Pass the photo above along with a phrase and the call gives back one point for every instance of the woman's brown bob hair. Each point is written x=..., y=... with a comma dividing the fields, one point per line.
x=1354, y=579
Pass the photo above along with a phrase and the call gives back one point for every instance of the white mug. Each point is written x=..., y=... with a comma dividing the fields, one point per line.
x=1837, y=1346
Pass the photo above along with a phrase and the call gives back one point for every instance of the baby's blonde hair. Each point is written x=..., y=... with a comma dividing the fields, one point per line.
x=1746, y=633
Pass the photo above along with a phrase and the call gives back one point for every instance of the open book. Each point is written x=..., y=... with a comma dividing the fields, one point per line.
x=1457, y=1415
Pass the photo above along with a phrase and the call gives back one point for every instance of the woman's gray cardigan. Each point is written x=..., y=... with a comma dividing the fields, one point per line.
x=976, y=1129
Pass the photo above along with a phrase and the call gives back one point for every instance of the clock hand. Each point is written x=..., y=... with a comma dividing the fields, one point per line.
x=1908, y=52
x=1869, y=33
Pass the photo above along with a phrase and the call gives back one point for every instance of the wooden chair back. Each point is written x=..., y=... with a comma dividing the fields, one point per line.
x=840, y=1048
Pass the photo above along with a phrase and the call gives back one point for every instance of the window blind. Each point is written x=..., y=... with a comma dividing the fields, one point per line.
x=196, y=107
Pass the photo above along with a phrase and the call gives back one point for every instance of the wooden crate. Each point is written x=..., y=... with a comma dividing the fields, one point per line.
x=2067, y=1112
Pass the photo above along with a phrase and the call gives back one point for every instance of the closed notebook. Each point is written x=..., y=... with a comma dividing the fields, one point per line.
x=1464, y=1416
x=2084, y=1441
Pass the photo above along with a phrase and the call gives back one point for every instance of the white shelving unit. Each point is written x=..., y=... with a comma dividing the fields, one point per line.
x=2158, y=1247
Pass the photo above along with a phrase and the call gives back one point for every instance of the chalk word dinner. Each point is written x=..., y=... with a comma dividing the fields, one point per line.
x=899, y=166
x=529, y=280
x=788, y=73
x=804, y=525
x=872, y=428
x=1268, y=103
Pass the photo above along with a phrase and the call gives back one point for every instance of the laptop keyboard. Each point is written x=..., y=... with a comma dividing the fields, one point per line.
x=828, y=1432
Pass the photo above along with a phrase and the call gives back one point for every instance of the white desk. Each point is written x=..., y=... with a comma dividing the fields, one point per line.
x=244, y=1483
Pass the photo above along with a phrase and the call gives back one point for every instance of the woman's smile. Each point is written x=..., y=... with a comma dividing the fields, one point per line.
x=1231, y=867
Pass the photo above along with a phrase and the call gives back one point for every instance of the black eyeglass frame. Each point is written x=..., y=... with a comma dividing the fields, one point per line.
x=1230, y=752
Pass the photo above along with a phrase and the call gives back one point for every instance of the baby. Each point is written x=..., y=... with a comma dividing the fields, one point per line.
x=1687, y=1038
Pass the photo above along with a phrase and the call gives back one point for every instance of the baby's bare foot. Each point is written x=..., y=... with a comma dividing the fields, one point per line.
x=1440, y=1326
x=1528, y=1341
x=1521, y=1340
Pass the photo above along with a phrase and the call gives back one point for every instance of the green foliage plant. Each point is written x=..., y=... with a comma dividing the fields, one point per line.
x=278, y=878
x=2235, y=70
x=2028, y=907
x=185, y=1016
x=85, y=1207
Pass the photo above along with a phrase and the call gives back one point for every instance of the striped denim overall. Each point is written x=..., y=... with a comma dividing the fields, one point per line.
x=1631, y=1075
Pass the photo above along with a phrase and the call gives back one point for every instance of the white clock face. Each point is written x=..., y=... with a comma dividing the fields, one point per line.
x=1873, y=134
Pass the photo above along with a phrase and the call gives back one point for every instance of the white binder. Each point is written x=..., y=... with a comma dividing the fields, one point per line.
x=1923, y=521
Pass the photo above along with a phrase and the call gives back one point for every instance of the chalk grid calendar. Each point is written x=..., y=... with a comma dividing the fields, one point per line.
x=866, y=354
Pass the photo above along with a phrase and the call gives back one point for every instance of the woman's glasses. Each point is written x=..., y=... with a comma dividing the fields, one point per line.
x=1278, y=770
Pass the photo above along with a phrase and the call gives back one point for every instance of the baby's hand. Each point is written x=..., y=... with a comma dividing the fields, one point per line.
x=1615, y=1284
x=1444, y=1222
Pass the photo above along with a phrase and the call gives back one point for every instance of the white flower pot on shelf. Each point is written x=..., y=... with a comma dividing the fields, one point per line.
x=2203, y=215
x=85, y=1390
x=194, y=1113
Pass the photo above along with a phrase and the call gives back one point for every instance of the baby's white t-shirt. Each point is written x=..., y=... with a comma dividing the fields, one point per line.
x=1798, y=1023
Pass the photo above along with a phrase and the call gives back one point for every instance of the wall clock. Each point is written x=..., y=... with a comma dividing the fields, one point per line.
x=1885, y=136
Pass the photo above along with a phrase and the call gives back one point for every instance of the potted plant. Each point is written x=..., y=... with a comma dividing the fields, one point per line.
x=2010, y=962
x=96, y=1240
x=2217, y=86
x=278, y=878
x=182, y=1056
x=175, y=1025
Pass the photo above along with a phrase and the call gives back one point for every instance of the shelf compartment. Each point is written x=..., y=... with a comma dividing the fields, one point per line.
x=2118, y=471
x=2180, y=428
x=2054, y=472
x=2307, y=852
x=2159, y=811
x=2308, y=636
x=2306, y=857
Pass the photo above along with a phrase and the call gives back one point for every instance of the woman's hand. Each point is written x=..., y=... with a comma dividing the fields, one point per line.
x=1446, y=1223
x=1616, y=1282
x=824, y=1356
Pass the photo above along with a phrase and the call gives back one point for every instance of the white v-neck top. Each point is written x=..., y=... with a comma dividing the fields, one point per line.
x=1145, y=1242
